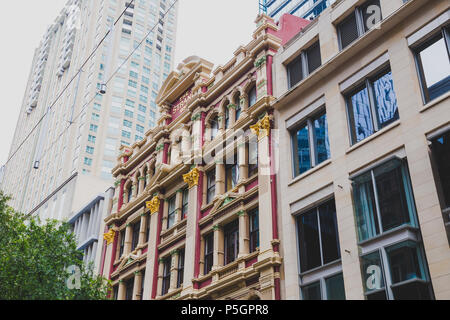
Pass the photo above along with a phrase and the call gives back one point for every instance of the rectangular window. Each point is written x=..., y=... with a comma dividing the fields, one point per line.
x=231, y=241
x=252, y=158
x=210, y=186
x=166, y=275
x=330, y=288
x=208, y=253
x=180, y=277
x=122, y=243
x=129, y=287
x=318, y=237
x=363, y=19
x=433, y=63
x=89, y=150
x=185, y=204
x=171, y=213
x=254, y=230
x=372, y=106
x=305, y=64
x=135, y=235
x=396, y=272
x=232, y=173
x=310, y=144
x=383, y=199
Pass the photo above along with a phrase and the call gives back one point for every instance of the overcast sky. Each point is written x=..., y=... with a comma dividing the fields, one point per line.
x=211, y=29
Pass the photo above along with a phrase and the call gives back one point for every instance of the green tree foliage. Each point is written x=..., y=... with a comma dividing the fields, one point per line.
x=35, y=259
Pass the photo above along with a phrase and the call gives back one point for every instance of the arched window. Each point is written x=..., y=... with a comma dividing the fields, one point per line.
x=238, y=107
x=214, y=127
x=252, y=96
x=227, y=117
x=144, y=175
x=129, y=192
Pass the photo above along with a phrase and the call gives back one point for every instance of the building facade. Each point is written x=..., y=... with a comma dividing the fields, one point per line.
x=78, y=131
x=306, y=9
x=88, y=225
x=195, y=211
x=362, y=109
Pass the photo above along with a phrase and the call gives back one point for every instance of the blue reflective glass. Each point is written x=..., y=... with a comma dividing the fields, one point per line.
x=321, y=137
x=304, y=154
x=361, y=118
x=386, y=101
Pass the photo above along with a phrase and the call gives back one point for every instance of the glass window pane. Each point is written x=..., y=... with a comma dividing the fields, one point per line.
x=348, y=31
x=436, y=69
x=329, y=232
x=295, y=71
x=312, y=292
x=441, y=155
x=412, y=291
x=335, y=287
x=391, y=192
x=321, y=139
x=365, y=207
x=314, y=59
x=309, y=243
x=385, y=99
x=360, y=116
x=303, y=151
x=405, y=262
x=372, y=272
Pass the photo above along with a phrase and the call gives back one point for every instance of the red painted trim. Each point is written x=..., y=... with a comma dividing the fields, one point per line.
x=204, y=283
x=273, y=191
x=166, y=153
x=197, y=226
x=269, y=75
x=158, y=241
x=251, y=262
x=203, y=128
x=113, y=255
x=251, y=185
x=105, y=246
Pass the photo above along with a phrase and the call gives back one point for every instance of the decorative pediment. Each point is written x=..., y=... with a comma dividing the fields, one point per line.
x=223, y=200
x=126, y=261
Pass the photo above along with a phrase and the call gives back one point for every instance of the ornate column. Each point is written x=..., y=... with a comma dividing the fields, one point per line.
x=244, y=237
x=128, y=239
x=160, y=277
x=232, y=112
x=218, y=259
x=143, y=229
x=137, y=285
x=178, y=205
x=242, y=158
x=267, y=205
x=220, y=177
x=175, y=255
x=165, y=216
x=122, y=290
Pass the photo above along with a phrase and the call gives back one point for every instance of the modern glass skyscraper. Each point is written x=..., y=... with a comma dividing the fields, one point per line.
x=307, y=9
x=56, y=168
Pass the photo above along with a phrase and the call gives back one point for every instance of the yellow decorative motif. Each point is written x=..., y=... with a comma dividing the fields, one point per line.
x=153, y=205
x=262, y=128
x=191, y=178
x=109, y=236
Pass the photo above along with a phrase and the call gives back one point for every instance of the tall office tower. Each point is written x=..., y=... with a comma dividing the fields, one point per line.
x=307, y=9
x=59, y=166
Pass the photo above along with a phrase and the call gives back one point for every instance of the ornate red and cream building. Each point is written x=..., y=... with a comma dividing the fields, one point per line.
x=195, y=208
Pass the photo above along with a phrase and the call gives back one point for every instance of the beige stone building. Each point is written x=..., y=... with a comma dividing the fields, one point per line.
x=363, y=114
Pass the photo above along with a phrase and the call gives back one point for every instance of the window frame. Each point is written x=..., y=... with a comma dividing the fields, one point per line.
x=208, y=253
x=442, y=33
x=254, y=214
x=181, y=263
x=136, y=228
x=167, y=263
x=210, y=187
x=308, y=122
x=306, y=69
x=367, y=82
x=173, y=213
x=231, y=240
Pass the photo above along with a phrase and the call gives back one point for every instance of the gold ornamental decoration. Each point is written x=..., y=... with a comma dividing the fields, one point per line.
x=191, y=178
x=109, y=236
x=153, y=205
x=262, y=128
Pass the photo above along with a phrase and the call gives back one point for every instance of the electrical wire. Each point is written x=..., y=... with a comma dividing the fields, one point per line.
x=67, y=86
